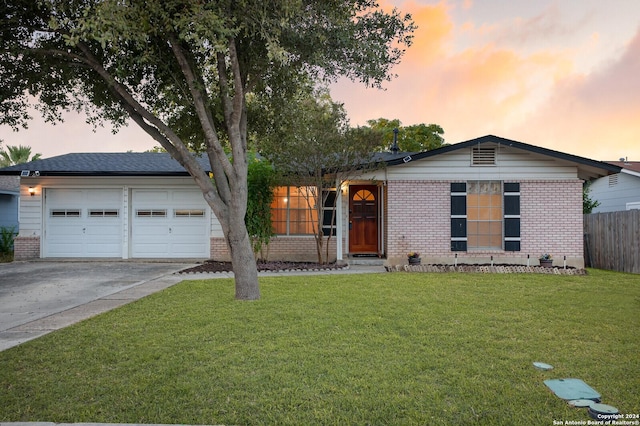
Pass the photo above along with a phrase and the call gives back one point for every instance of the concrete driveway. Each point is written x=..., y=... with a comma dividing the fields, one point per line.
x=41, y=296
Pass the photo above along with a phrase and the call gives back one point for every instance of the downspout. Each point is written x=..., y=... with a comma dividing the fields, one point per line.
x=381, y=209
x=339, y=254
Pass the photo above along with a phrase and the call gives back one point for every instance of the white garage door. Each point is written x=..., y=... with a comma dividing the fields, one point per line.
x=83, y=223
x=169, y=224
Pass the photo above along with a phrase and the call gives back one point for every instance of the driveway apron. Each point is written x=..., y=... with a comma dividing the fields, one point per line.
x=41, y=296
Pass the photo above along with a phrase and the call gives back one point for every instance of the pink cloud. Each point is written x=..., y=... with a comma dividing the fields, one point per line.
x=532, y=95
x=593, y=113
x=479, y=89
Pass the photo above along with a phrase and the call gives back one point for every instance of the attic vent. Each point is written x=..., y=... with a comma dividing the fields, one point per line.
x=483, y=156
x=613, y=180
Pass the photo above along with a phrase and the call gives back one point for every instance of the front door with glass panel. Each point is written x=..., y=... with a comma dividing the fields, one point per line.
x=363, y=219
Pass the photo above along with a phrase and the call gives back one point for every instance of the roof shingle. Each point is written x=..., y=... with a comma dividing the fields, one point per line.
x=106, y=163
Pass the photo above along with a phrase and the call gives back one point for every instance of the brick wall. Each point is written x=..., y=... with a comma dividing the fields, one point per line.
x=25, y=248
x=297, y=249
x=551, y=222
x=418, y=218
x=551, y=218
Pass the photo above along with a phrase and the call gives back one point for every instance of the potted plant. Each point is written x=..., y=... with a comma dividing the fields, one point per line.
x=414, y=258
x=546, y=260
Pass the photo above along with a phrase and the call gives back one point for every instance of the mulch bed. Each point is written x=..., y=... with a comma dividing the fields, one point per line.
x=212, y=266
x=488, y=269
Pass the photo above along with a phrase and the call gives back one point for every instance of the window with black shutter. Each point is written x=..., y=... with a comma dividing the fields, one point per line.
x=329, y=213
x=459, y=216
x=511, y=216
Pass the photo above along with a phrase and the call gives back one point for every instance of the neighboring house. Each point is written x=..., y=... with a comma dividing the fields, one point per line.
x=487, y=198
x=619, y=191
x=9, y=201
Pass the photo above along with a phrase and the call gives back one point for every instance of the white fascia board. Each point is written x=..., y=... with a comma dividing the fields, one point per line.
x=630, y=172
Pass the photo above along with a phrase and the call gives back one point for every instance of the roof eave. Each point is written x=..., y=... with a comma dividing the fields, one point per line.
x=630, y=172
x=587, y=173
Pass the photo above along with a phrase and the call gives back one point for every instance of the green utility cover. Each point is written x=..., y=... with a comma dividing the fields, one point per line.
x=581, y=403
x=542, y=366
x=602, y=409
x=569, y=389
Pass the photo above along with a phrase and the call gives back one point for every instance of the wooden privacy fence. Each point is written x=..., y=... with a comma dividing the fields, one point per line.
x=612, y=241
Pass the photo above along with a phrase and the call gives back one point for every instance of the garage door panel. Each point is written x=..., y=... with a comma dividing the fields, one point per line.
x=151, y=249
x=154, y=197
x=64, y=249
x=187, y=197
x=144, y=230
x=63, y=230
x=65, y=197
x=187, y=229
x=98, y=249
x=189, y=249
x=83, y=223
x=103, y=234
x=169, y=223
x=110, y=197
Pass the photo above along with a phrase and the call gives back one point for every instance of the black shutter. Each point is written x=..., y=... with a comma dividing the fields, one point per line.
x=329, y=216
x=459, y=216
x=512, y=216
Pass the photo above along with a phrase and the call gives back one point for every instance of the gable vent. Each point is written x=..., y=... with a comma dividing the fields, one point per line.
x=613, y=180
x=483, y=156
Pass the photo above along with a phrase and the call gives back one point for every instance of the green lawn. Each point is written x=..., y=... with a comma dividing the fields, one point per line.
x=395, y=348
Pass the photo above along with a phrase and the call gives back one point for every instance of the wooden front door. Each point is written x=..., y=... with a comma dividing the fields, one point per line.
x=363, y=219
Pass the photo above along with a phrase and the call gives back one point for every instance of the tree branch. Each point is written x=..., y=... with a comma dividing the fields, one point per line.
x=157, y=129
x=206, y=120
x=238, y=103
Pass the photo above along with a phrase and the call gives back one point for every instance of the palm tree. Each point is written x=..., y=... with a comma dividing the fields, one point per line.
x=13, y=155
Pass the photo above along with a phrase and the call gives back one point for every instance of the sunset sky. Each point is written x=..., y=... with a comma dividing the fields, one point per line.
x=561, y=74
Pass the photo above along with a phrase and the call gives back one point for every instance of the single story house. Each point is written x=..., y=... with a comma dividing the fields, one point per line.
x=486, y=198
x=618, y=191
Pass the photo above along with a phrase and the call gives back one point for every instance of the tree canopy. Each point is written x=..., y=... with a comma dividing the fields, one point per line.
x=182, y=70
x=414, y=138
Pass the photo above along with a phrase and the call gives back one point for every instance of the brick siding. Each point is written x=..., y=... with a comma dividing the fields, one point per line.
x=25, y=248
x=551, y=218
x=551, y=222
x=297, y=249
x=418, y=218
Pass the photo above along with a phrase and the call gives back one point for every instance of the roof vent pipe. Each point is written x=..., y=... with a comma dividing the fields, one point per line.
x=394, y=146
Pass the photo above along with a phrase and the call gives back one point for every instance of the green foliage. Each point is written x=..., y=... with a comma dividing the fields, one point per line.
x=13, y=155
x=7, y=235
x=310, y=143
x=409, y=349
x=260, y=181
x=414, y=138
x=587, y=203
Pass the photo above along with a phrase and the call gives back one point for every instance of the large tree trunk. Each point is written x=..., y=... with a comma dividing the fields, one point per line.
x=243, y=260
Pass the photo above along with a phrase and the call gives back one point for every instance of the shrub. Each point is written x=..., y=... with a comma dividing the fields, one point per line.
x=6, y=239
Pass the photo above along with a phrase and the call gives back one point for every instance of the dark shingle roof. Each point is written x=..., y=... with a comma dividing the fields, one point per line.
x=9, y=184
x=161, y=164
x=106, y=164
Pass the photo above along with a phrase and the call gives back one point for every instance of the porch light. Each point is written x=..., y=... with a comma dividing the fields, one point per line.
x=32, y=191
